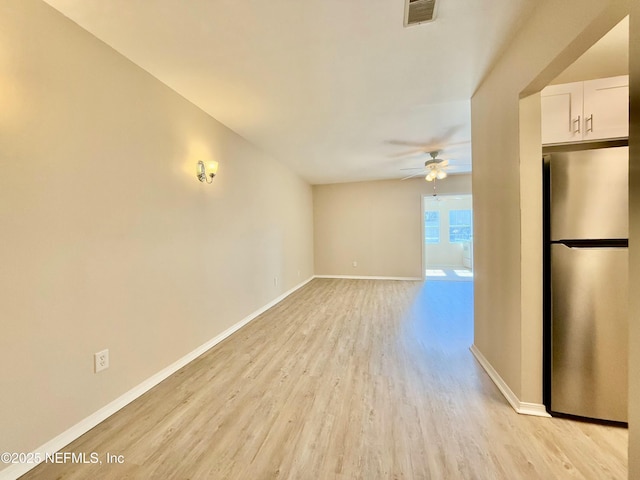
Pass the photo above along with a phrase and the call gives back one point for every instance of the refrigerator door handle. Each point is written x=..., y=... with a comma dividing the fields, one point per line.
x=594, y=243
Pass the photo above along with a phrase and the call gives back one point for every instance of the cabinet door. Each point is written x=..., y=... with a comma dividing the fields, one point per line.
x=606, y=108
x=562, y=113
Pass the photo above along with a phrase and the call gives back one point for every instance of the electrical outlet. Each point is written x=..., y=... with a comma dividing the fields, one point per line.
x=101, y=360
x=275, y=281
x=354, y=264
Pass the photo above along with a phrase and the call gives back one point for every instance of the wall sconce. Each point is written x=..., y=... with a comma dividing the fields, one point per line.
x=207, y=172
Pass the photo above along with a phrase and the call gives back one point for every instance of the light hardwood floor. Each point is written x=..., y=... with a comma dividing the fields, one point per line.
x=345, y=379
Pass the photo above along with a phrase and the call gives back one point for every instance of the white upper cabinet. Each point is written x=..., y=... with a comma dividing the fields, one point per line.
x=562, y=113
x=585, y=111
x=606, y=108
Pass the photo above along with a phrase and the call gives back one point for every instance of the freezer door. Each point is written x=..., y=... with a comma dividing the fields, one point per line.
x=589, y=291
x=589, y=194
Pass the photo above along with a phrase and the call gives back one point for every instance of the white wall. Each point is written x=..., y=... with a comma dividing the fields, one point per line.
x=107, y=238
x=376, y=224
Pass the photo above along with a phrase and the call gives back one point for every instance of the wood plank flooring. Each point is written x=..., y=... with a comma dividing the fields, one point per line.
x=345, y=379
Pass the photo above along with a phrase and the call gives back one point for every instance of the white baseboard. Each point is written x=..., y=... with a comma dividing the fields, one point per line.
x=65, y=438
x=524, y=408
x=365, y=277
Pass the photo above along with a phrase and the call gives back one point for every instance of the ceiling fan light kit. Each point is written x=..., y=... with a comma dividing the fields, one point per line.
x=435, y=168
x=434, y=174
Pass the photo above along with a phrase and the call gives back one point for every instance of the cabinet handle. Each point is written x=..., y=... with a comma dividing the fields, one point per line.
x=589, y=128
x=576, y=124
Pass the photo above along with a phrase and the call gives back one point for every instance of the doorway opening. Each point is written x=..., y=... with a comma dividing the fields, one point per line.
x=448, y=238
x=447, y=266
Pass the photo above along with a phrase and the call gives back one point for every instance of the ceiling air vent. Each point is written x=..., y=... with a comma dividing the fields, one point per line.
x=419, y=11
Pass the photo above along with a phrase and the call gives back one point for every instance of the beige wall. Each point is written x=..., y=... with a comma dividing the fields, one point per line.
x=445, y=253
x=609, y=57
x=507, y=185
x=634, y=251
x=107, y=238
x=376, y=224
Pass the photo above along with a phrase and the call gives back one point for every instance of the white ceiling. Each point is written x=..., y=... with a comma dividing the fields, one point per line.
x=338, y=90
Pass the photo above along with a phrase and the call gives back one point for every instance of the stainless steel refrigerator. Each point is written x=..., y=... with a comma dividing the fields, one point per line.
x=588, y=255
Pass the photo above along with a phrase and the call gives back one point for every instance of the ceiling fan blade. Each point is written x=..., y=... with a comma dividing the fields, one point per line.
x=405, y=143
x=433, y=143
x=455, y=168
x=414, y=175
x=418, y=152
x=443, y=163
x=413, y=168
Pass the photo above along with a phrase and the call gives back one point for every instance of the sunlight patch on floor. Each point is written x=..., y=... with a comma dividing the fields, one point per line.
x=463, y=273
x=435, y=273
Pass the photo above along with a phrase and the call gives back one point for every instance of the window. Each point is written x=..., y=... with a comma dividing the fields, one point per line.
x=460, y=227
x=431, y=226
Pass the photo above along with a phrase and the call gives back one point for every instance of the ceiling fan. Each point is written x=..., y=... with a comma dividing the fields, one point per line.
x=435, y=168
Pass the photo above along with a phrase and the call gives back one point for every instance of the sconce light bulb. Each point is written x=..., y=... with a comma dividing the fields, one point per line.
x=208, y=171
